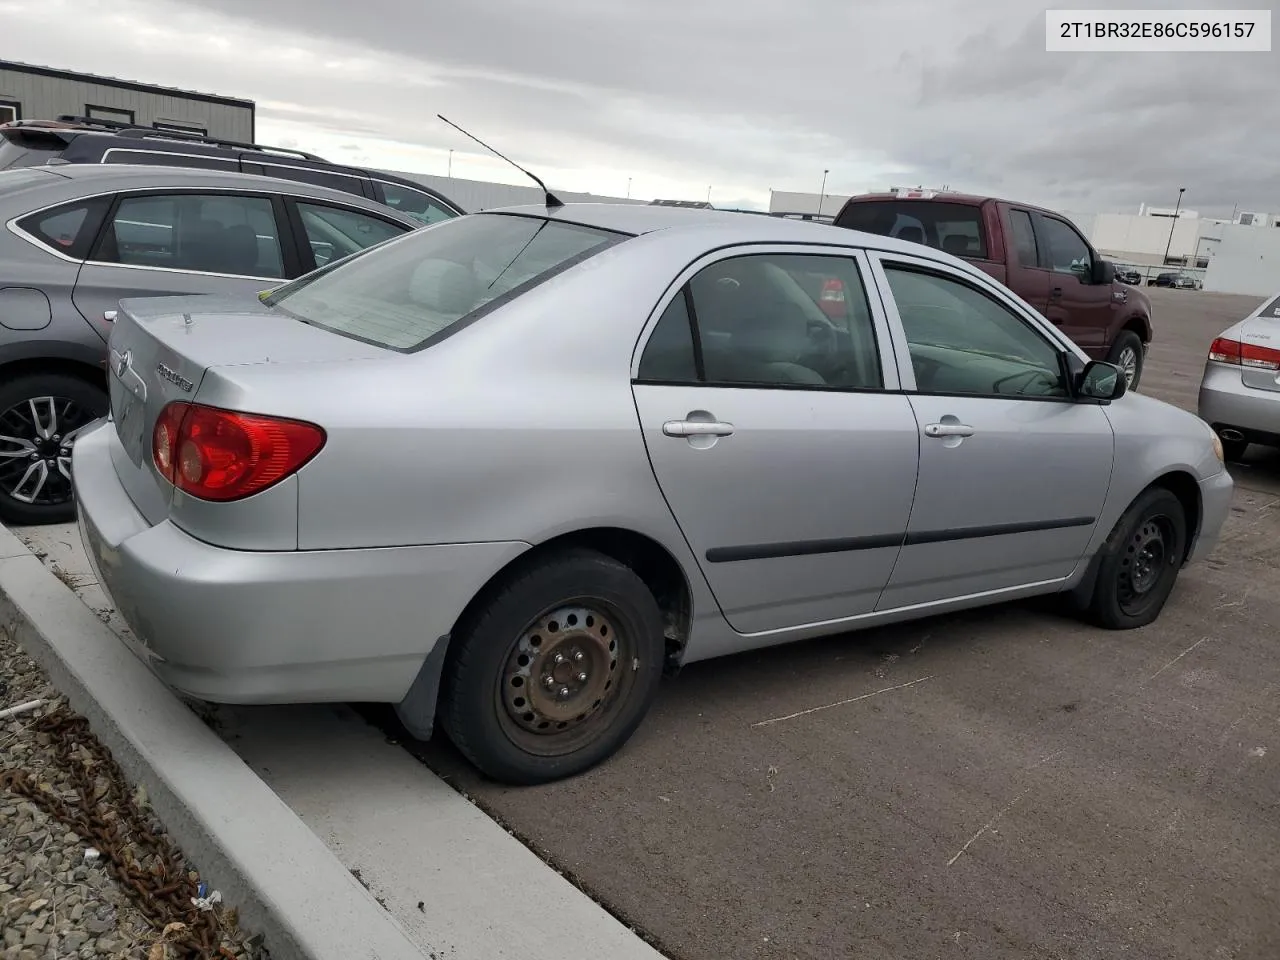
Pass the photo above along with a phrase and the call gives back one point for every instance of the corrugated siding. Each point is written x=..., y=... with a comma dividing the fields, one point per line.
x=476, y=195
x=45, y=98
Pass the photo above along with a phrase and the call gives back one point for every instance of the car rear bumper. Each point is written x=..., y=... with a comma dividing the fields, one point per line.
x=236, y=626
x=1227, y=404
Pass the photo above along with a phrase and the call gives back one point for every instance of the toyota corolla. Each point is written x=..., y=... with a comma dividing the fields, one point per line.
x=504, y=471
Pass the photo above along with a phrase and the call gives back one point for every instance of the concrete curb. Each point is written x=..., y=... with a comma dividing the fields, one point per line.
x=247, y=843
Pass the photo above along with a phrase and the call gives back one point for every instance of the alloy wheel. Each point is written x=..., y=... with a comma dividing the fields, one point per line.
x=36, y=439
x=1128, y=364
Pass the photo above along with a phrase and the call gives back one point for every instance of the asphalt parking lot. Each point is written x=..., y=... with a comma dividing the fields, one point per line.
x=1004, y=783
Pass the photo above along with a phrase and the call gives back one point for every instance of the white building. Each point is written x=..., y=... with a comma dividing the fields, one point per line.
x=476, y=195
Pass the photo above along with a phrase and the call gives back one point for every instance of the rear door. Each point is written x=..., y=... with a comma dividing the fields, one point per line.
x=1013, y=472
x=1079, y=307
x=777, y=434
x=184, y=242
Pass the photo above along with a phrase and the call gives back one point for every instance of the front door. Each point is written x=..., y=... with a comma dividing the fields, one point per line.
x=1079, y=307
x=1013, y=473
x=165, y=244
x=785, y=461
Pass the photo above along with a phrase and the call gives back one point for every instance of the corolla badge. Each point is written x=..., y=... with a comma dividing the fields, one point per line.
x=177, y=379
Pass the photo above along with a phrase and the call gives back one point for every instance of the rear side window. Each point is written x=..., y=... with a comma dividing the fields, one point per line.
x=69, y=229
x=1024, y=238
x=403, y=294
x=955, y=228
x=165, y=158
x=212, y=233
x=333, y=232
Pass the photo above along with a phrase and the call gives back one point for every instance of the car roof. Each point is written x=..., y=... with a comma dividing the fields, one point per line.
x=92, y=177
x=732, y=226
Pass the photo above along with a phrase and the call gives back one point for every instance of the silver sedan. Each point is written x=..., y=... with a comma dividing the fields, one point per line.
x=508, y=469
x=1240, y=389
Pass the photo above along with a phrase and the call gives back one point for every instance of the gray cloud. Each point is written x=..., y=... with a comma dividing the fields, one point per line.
x=745, y=93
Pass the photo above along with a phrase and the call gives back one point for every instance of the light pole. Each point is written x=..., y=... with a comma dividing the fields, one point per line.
x=628, y=188
x=1177, y=207
x=708, y=193
x=822, y=193
x=450, y=164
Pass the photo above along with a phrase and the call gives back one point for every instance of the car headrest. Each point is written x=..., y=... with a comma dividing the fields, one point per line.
x=911, y=235
x=957, y=244
x=444, y=286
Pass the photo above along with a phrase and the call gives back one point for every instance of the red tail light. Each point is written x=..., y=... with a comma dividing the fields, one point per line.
x=1226, y=350
x=223, y=455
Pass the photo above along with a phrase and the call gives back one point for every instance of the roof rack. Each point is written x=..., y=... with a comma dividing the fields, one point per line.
x=168, y=133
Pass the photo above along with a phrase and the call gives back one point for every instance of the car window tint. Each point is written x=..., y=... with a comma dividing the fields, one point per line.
x=58, y=228
x=402, y=294
x=1068, y=253
x=218, y=233
x=415, y=203
x=963, y=341
x=668, y=356
x=334, y=232
x=953, y=227
x=786, y=319
x=1024, y=238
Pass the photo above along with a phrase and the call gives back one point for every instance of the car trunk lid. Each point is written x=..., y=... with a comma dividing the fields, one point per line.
x=1260, y=366
x=160, y=351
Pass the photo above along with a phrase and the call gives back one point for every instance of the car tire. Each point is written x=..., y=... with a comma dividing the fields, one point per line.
x=1140, y=561
x=579, y=618
x=38, y=414
x=1128, y=344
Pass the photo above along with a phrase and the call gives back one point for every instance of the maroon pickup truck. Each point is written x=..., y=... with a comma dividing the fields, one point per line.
x=1036, y=253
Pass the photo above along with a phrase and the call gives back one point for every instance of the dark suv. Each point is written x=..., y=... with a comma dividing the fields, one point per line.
x=28, y=143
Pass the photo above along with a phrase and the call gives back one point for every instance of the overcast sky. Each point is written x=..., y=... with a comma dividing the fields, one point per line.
x=742, y=96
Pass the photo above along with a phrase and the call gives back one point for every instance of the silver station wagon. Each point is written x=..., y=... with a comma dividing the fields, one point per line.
x=505, y=470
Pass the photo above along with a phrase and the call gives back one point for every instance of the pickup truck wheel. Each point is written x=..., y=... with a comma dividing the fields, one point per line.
x=1126, y=353
x=40, y=416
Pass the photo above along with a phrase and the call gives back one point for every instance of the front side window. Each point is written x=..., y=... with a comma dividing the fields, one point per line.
x=769, y=320
x=404, y=293
x=204, y=233
x=963, y=341
x=335, y=232
x=1068, y=253
x=955, y=228
x=415, y=203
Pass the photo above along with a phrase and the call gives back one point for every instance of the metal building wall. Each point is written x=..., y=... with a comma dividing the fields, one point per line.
x=44, y=94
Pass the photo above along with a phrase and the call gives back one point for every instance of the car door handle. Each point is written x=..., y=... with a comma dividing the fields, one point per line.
x=109, y=316
x=697, y=428
x=948, y=430
x=1055, y=293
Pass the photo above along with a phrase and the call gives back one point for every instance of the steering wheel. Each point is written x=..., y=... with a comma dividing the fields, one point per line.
x=1029, y=375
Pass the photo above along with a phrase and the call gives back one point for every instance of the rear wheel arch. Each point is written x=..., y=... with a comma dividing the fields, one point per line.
x=93, y=374
x=659, y=570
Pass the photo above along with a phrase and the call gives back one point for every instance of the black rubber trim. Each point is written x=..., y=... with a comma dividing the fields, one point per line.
x=803, y=548
x=995, y=530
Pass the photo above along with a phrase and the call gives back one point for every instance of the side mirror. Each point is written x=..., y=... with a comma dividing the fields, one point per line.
x=1101, y=381
x=1104, y=271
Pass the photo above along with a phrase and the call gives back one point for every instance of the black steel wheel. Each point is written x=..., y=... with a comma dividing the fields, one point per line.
x=1140, y=561
x=555, y=669
x=40, y=418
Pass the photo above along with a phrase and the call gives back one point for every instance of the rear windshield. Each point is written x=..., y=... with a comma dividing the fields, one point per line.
x=19, y=150
x=1271, y=311
x=953, y=227
x=402, y=293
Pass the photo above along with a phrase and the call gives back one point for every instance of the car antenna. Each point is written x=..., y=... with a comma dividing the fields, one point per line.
x=551, y=199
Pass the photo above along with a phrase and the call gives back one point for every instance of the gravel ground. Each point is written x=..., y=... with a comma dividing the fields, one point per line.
x=55, y=902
